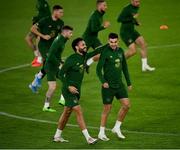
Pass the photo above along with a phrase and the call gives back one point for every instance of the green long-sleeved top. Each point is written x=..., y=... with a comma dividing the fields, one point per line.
x=110, y=67
x=56, y=50
x=95, y=24
x=72, y=72
x=127, y=19
x=48, y=26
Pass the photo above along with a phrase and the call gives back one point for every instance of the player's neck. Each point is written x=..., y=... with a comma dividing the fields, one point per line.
x=79, y=53
x=54, y=18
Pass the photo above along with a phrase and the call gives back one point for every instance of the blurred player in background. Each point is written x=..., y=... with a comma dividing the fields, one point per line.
x=53, y=62
x=129, y=18
x=71, y=75
x=32, y=39
x=95, y=25
x=111, y=65
x=47, y=29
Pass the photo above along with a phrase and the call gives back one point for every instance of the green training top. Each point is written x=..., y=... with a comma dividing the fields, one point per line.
x=95, y=24
x=127, y=19
x=72, y=72
x=56, y=50
x=48, y=26
x=43, y=9
x=113, y=63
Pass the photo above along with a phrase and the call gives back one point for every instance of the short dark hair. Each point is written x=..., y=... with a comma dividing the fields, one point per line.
x=113, y=36
x=66, y=27
x=100, y=1
x=76, y=42
x=57, y=7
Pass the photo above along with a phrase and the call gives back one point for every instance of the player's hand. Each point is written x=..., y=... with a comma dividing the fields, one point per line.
x=73, y=90
x=135, y=16
x=46, y=37
x=130, y=88
x=106, y=24
x=105, y=85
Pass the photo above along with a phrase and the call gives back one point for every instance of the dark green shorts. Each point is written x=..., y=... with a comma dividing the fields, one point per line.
x=52, y=71
x=93, y=42
x=43, y=49
x=108, y=94
x=129, y=37
x=71, y=100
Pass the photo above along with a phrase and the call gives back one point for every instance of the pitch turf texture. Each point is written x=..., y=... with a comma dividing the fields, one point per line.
x=153, y=120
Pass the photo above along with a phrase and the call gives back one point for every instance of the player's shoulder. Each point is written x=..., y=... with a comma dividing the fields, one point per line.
x=120, y=49
x=127, y=7
x=94, y=14
x=44, y=19
x=60, y=21
x=72, y=57
x=105, y=49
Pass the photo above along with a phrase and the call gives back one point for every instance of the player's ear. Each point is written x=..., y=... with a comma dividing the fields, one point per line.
x=76, y=48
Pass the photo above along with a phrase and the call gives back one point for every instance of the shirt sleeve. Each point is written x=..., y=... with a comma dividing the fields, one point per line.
x=52, y=57
x=95, y=24
x=99, y=68
x=125, y=71
x=125, y=16
x=95, y=52
x=41, y=23
x=62, y=72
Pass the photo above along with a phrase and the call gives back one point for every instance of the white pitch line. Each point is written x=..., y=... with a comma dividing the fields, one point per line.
x=150, y=47
x=14, y=68
x=90, y=127
x=164, y=46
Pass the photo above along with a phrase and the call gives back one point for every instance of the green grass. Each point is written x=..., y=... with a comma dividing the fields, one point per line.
x=155, y=96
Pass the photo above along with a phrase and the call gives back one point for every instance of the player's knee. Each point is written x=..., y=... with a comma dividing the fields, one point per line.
x=133, y=51
x=52, y=87
x=126, y=106
x=143, y=45
x=107, y=109
x=68, y=112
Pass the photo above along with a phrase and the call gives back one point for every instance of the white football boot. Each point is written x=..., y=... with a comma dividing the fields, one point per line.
x=92, y=141
x=59, y=139
x=147, y=68
x=103, y=137
x=118, y=132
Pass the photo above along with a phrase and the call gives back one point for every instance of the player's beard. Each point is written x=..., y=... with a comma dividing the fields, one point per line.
x=103, y=12
x=83, y=51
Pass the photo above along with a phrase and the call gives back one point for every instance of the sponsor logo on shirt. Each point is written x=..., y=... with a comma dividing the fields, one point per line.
x=117, y=63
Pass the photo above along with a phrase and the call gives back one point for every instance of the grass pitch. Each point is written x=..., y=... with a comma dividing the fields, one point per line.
x=153, y=120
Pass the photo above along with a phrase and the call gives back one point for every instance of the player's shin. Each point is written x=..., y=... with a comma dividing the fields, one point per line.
x=49, y=94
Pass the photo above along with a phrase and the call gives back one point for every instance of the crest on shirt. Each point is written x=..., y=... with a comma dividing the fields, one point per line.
x=81, y=68
x=130, y=40
x=75, y=101
x=53, y=33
